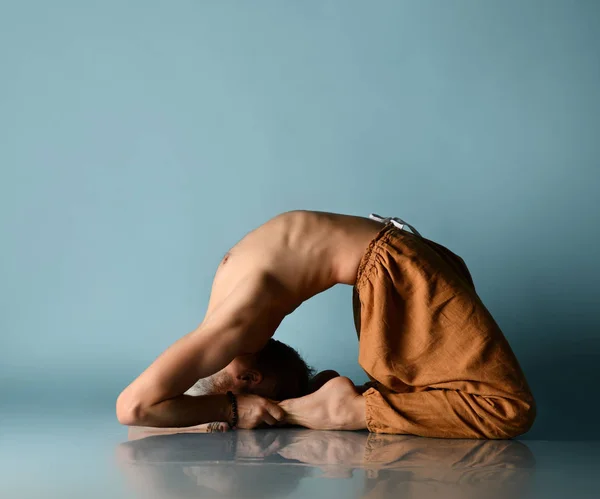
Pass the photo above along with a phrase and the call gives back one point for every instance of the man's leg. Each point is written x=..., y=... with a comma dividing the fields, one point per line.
x=441, y=365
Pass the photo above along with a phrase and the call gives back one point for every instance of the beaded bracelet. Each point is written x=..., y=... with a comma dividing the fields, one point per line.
x=234, y=410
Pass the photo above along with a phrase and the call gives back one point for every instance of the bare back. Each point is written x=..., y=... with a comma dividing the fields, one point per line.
x=295, y=256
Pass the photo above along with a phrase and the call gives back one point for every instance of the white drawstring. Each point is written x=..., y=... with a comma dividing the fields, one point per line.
x=396, y=221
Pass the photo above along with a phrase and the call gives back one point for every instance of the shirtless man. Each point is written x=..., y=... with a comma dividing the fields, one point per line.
x=438, y=363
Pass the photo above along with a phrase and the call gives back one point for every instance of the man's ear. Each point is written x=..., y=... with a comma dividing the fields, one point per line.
x=251, y=377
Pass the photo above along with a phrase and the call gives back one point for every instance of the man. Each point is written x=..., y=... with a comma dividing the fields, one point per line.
x=438, y=363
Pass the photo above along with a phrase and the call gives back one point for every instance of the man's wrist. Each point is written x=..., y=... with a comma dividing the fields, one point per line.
x=225, y=408
x=233, y=422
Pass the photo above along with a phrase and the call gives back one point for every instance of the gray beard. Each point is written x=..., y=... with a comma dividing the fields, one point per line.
x=219, y=382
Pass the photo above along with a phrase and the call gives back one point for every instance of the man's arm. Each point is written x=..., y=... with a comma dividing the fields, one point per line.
x=241, y=324
x=156, y=397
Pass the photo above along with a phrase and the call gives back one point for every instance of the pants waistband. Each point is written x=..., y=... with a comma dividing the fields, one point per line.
x=396, y=221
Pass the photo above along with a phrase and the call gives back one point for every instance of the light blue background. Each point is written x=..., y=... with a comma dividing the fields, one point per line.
x=140, y=140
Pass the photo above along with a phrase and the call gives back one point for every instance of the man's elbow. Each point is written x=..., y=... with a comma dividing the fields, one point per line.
x=129, y=410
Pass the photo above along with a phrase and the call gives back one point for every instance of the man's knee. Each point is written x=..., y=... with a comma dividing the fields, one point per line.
x=517, y=420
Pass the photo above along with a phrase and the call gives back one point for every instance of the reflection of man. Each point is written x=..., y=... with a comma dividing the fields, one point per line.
x=439, y=364
x=462, y=469
x=227, y=463
x=408, y=466
x=214, y=465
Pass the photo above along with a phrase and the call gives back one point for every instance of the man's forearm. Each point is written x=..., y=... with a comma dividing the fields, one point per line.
x=183, y=411
x=140, y=432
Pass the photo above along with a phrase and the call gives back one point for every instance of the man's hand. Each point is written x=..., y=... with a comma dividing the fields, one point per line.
x=254, y=411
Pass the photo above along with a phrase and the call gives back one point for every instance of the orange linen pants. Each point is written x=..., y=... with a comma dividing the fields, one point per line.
x=439, y=364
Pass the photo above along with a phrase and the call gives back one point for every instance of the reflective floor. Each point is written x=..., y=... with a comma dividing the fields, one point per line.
x=99, y=459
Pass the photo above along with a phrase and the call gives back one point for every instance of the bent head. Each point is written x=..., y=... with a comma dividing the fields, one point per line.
x=276, y=372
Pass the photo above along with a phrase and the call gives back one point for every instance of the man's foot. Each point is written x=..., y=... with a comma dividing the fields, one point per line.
x=335, y=406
